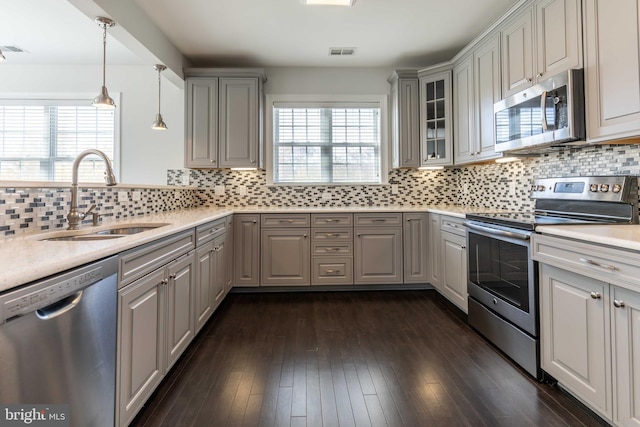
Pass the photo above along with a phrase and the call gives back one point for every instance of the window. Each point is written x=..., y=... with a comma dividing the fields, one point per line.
x=39, y=140
x=326, y=143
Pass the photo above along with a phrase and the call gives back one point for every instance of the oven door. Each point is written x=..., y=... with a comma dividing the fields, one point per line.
x=502, y=276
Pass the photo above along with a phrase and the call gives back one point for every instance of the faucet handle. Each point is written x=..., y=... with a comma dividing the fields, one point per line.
x=84, y=215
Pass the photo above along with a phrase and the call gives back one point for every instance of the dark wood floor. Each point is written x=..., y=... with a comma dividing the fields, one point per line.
x=401, y=358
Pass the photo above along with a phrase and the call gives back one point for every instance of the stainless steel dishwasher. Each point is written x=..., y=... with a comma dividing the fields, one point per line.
x=58, y=343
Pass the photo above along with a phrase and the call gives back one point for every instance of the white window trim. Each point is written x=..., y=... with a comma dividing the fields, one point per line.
x=61, y=98
x=381, y=100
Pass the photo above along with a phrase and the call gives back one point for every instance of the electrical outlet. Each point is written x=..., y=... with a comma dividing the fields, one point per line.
x=136, y=195
x=512, y=188
x=326, y=196
x=219, y=190
x=186, y=179
x=123, y=195
x=242, y=190
x=394, y=188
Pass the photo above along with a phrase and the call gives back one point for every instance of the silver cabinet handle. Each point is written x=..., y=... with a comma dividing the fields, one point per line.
x=329, y=220
x=332, y=234
x=463, y=247
x=304, y=235
x=172, y=277
x=287, y=221
x=164, y=281
x=528, y=79
x=543, y=110
x=597, y=264
x=618, y=303
x=331, y=249
x=596, y=295
x=359, y=235
x=539, y=75
x=254, y=221
x=378, y=220
x=216, y=248
x=253, y=162
x=213, y=161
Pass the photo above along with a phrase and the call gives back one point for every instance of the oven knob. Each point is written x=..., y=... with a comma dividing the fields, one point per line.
x=540, y=188
x=604, y=187
x=617, y=188
x=593, y=188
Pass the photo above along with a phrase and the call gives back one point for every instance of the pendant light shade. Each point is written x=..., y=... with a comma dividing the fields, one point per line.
x=104, y=100
x=159, y=124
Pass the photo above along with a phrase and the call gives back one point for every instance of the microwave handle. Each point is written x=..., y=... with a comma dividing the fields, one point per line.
x=543, y=108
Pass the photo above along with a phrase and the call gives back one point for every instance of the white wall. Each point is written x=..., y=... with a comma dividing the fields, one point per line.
x=145, y=154
x=320, y=81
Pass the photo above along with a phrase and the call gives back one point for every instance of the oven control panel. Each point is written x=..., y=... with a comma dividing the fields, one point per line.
x=602, y=188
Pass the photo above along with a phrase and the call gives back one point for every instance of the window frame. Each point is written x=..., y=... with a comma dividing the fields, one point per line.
x=327, y=101
x=68, y=99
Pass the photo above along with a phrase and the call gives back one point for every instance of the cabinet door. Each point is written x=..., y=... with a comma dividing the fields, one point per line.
x=454, y=276
x=229, y=254
x=415, y=247
x=612, y=69
x=575, y=335
x=180, y=307
x=435, y=118
x=378, y=255
x=285, y=257
x=517, y=55
x=406, y=123
x=434, y=252
x=202, y=123
x=246, y=248
x=205, y=274
x=141, y=334
x=626, y=356
x=488, y=87
x=558, y=36
x=220, y=275
x=464, y=147
x=239, y=126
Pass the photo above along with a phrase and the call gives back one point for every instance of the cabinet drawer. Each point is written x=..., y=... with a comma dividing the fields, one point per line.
x=331, y=248
x=341, y=234
x=592, y=260
x=382, y=219
x=332, y=271
x=331, y=220
x=210, y=231
x=285, y=220
x=137, y=262
x=452, y=225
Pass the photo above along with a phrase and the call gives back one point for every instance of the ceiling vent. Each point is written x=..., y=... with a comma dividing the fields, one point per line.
x=12, y=49
x=342, y=51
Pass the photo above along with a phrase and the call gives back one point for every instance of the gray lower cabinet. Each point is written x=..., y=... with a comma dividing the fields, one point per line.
x=228, y=263
x=211, y=259
x=454, y=261
x=416, y=242
x=156, y=324
x=219, y=281
x=434, y=266
x=332, y=249
x=285, y=256
x=246, y=249
x=378, y=255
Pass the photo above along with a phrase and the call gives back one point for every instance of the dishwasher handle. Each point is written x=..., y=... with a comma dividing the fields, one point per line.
x=503, y=233
x=59, y=307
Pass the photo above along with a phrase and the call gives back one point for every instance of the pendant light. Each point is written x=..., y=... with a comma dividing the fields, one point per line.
x=104, y=100
x=159, y=123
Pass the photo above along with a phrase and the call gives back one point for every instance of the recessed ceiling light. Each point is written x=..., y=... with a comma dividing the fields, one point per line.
x=329, y=2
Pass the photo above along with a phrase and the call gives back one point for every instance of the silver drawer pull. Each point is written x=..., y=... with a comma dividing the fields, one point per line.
x=332, y=271
x=378, y=220
x=332, y=234
x=596, y=295
x=597, y=264
x=331, y=249
x=286, y=221
x=618, y=303
x=329, y=220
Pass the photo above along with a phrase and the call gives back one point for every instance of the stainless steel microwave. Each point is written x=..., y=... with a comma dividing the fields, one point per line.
x=546, y=116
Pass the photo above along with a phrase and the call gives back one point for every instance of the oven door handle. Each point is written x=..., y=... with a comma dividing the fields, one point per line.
x=496, y=232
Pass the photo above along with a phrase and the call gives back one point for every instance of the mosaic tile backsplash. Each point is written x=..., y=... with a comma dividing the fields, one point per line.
x=490, y=185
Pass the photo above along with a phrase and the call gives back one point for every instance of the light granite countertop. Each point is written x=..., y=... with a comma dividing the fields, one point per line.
x=622, y=236
x=27, y=258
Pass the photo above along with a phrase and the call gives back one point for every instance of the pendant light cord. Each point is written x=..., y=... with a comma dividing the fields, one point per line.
x=104, y=54
x=159, y=92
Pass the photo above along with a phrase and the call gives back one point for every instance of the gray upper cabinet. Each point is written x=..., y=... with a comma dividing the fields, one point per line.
x=223, y=118
x=405, y=125
x=543, y=40
x=517, y=54
x=464, y=111
x=202, y=122
x=435, y=117
x=488, y=91
x=612, y=69
x=239, y=122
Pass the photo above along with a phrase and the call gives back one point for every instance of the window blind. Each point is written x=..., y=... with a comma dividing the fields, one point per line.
x=40, y=142
x=326, y=145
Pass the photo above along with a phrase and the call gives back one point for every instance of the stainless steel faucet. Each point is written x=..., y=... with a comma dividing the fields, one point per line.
x=74, y=217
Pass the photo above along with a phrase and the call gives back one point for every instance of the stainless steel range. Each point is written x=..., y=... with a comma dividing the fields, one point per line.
x=503, y=279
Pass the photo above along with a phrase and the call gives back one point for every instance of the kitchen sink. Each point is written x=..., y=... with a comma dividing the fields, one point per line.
x=111, y=232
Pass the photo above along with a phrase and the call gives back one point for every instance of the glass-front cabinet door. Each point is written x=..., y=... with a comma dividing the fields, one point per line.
x=435, y=119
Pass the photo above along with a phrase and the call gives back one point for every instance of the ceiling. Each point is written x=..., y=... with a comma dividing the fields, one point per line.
x=264, y=33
